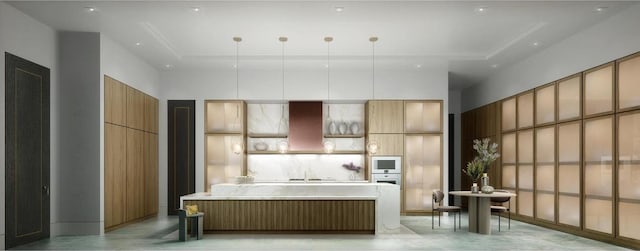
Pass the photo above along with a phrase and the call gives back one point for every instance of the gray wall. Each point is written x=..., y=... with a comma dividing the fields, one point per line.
x=79, y=130
x=613, y=38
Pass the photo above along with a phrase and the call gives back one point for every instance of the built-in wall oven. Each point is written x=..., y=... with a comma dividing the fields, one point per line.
x=386, y=169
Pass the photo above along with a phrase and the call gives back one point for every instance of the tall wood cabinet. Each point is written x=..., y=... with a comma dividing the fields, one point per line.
x=131, y=154
x=224, y=127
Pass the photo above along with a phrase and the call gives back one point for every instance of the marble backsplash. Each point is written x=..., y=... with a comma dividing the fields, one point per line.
x=282, y=167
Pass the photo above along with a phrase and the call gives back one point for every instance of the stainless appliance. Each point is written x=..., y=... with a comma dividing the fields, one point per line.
x=391, y=178
x=386, y=164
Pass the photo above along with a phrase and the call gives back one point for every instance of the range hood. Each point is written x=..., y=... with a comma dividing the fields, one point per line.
x=305, y=126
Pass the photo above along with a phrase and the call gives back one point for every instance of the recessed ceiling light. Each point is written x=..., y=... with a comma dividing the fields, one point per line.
x=168, y=66
x=535, y=44
x=600, y=9
x=326, y=66
x=196, y=9
x=494, y=66
x=90, y=9
x=339, y=9
x=138, y=44
x=418, y=66
x=235, y=66
x=482, y=9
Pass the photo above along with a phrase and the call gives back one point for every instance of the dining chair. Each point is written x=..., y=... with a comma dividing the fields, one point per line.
x=497, y=205
x=436, y=206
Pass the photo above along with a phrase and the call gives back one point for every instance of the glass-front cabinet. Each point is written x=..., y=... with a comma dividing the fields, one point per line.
x=545, y=104
x=569, y=173
x=629, y=175
x=598, y=90
x=629, y=82
x=525, y=110
x=598, y=174
x=545, y=173
x=225, y=152
x=508, y=114
x=570, y=98
x=525, y=173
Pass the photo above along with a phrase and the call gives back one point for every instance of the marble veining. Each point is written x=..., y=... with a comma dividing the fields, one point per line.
x=267, y=119
x=282, y=167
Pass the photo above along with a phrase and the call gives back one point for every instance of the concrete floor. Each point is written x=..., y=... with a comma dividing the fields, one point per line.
x=161, y=233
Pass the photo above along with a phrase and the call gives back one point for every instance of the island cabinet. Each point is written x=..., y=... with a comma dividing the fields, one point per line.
x=130, y=154
x=225, y=141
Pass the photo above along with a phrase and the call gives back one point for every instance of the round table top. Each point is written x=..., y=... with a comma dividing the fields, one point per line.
x=489, y=195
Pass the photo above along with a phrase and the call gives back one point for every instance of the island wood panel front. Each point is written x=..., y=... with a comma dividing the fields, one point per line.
x=287, y=215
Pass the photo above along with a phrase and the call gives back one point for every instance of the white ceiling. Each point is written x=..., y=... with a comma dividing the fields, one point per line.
x=475, y=44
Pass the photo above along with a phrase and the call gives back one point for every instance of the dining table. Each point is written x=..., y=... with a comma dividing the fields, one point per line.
x=480, y=209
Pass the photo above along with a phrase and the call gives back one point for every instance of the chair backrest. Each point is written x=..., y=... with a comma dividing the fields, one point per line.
x=437, y=196
x=501, y=199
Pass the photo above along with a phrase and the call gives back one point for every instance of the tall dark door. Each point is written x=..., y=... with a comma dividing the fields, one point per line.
x=26, y=150
x=181, y=153
x=452, y=147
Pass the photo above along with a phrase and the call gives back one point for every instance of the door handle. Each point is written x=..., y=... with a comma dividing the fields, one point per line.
x=45, y=189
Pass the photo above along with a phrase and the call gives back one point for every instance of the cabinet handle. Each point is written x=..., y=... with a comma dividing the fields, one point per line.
x=45, y=189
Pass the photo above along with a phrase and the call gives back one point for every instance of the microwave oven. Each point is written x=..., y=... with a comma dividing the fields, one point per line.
x=386, y=164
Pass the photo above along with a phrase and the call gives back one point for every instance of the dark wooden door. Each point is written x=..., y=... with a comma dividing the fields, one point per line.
x=27, y=151
x=181, y=176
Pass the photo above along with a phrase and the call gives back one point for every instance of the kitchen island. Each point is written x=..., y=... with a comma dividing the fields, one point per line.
x=299, y=207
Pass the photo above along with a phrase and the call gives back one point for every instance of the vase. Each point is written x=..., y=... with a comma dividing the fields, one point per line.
x=355, y=128
x=333, y=128
x=342, y=128
x=484, y=181
x=475, y=188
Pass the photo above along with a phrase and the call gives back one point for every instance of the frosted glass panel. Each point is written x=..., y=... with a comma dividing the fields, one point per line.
x=629, y=137
x=509, y=176
x=545, y=206
x=569, y=98
x=525, y=146
x=525, y=177
x=598, y=140
x=423, y=170
x=629, y=226
x=598, y=91
x=222, y=164
x=525, y=203
x=422, y=116
x=629, y=83
x=569, y=179
x=569, y=210
x=546, y=105
x=509, y=114
x=224, y=117
x=629, y=185
x=509, y=148
x=545, y=144
x=545, y=178
x=569, y=142
x=598, y=215
x=525, y=110
x=598, y=180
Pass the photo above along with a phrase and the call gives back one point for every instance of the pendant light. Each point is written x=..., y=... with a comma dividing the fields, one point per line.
x=328, y=144
x=237, y=147
x=283, y=145
x=372, y=145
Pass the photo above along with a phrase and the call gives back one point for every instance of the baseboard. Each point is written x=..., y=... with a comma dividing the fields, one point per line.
x=162, y=211
x=75, y=228
x=2, y=247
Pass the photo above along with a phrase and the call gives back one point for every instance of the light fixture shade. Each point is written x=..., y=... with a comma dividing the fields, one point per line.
x=283, y=146
x=237, y=147
x=372, y=147
x=329, y=146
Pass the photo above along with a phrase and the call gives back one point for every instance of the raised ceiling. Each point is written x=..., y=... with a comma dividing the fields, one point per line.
x=475, y=43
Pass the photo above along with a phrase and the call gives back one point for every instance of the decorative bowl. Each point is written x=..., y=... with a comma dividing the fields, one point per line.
x=260, y=146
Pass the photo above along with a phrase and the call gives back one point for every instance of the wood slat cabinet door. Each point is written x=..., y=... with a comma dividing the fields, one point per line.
x=150, y=174
x=135, y=109
x=115, y=102
x=115, y=163
x=385, y=116
x=389, y=144
x=150, y=114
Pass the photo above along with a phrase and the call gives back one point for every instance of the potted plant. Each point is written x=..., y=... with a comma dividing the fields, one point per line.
x=480, y=165
x=475, y=169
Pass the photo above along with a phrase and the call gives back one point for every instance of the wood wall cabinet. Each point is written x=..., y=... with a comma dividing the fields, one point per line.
x=389, y=144
x=569, y=143
x=115, y=102
x=525, y=110
x=629, y=175
x=385, y=116
x=598, y=90
x=525, y=173
x=598, y=174
x=115, y=162
x=628, y=82
x=130, y=155
x=570, y=98
x=508, y=114
x=224, y=127
x=545, y=104
x=545, y=173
